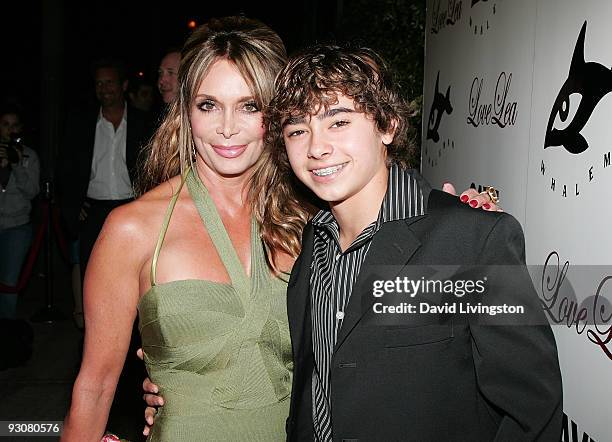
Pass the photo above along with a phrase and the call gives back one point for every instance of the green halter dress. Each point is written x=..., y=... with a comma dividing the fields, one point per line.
x=220, y=353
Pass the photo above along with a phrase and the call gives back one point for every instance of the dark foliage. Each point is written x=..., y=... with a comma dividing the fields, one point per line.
x=395, y=29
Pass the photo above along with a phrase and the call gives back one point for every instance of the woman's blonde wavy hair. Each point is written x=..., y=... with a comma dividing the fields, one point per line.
x=259, y=54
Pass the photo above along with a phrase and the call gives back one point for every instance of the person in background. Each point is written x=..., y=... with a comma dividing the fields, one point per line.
x=98, y=156
x=167, y=79
x=140, y=93
x=19, y=184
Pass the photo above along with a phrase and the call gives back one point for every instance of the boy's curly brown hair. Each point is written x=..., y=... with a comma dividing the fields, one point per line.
x=313, y=78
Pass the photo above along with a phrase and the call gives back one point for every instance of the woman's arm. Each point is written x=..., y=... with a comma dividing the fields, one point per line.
x=111, y=293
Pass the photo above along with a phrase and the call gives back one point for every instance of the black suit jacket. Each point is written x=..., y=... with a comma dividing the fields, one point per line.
x=432, y=377
x=76, y=155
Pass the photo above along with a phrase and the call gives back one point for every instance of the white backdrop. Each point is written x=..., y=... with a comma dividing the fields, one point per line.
x=507, y=63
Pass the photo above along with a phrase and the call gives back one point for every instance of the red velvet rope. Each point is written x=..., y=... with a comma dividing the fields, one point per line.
x=26, y=271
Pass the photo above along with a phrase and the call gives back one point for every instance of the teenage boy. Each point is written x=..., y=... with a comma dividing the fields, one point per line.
x=445, y=377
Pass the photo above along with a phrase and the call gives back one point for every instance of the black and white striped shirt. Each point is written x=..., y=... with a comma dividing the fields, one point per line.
x=333, y=276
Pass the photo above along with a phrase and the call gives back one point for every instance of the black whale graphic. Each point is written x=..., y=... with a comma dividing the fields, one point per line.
x=591, y=82
x=441, y=103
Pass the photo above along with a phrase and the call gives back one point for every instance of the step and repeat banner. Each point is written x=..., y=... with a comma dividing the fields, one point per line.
x=518, y=95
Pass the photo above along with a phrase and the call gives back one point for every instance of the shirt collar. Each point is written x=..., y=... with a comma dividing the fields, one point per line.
x=395, y=206
x=123, y=118
x=400, y=187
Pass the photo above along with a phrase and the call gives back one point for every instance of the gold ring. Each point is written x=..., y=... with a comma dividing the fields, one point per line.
x=492, y=194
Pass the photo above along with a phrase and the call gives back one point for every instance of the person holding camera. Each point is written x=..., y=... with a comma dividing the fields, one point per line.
x=19, y=175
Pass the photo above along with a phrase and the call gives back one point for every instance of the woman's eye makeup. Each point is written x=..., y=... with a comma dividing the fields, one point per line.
x=250, y=106
x=209, y=105
x=206, y=105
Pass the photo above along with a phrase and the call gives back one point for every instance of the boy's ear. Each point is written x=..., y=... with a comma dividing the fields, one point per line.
x=389, y=135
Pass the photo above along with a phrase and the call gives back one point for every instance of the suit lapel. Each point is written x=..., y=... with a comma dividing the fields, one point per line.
x=393, y=244
x=298, y=292
x=85, y=126
x=90, y=127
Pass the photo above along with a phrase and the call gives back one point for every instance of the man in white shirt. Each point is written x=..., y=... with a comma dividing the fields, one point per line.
x=99, y=153
x=109, y=178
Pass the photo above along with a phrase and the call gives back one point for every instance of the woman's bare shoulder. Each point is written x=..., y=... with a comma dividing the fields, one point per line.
x=142, y=218
x=162, y=192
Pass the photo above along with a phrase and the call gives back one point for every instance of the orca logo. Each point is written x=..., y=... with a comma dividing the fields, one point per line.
x=480, y=21
x=440, y=105
x=586, y=85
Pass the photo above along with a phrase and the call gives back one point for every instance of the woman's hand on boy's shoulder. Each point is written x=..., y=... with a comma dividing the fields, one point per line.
x=473, y=198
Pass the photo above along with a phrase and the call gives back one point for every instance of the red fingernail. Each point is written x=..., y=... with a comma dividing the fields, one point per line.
x=486, y=206
x=473, y=203
x=464, y=198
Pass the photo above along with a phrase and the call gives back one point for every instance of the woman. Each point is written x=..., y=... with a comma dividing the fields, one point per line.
x=188, y=256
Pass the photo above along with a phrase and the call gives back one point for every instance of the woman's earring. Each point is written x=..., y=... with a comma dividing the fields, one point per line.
x=193, y=152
